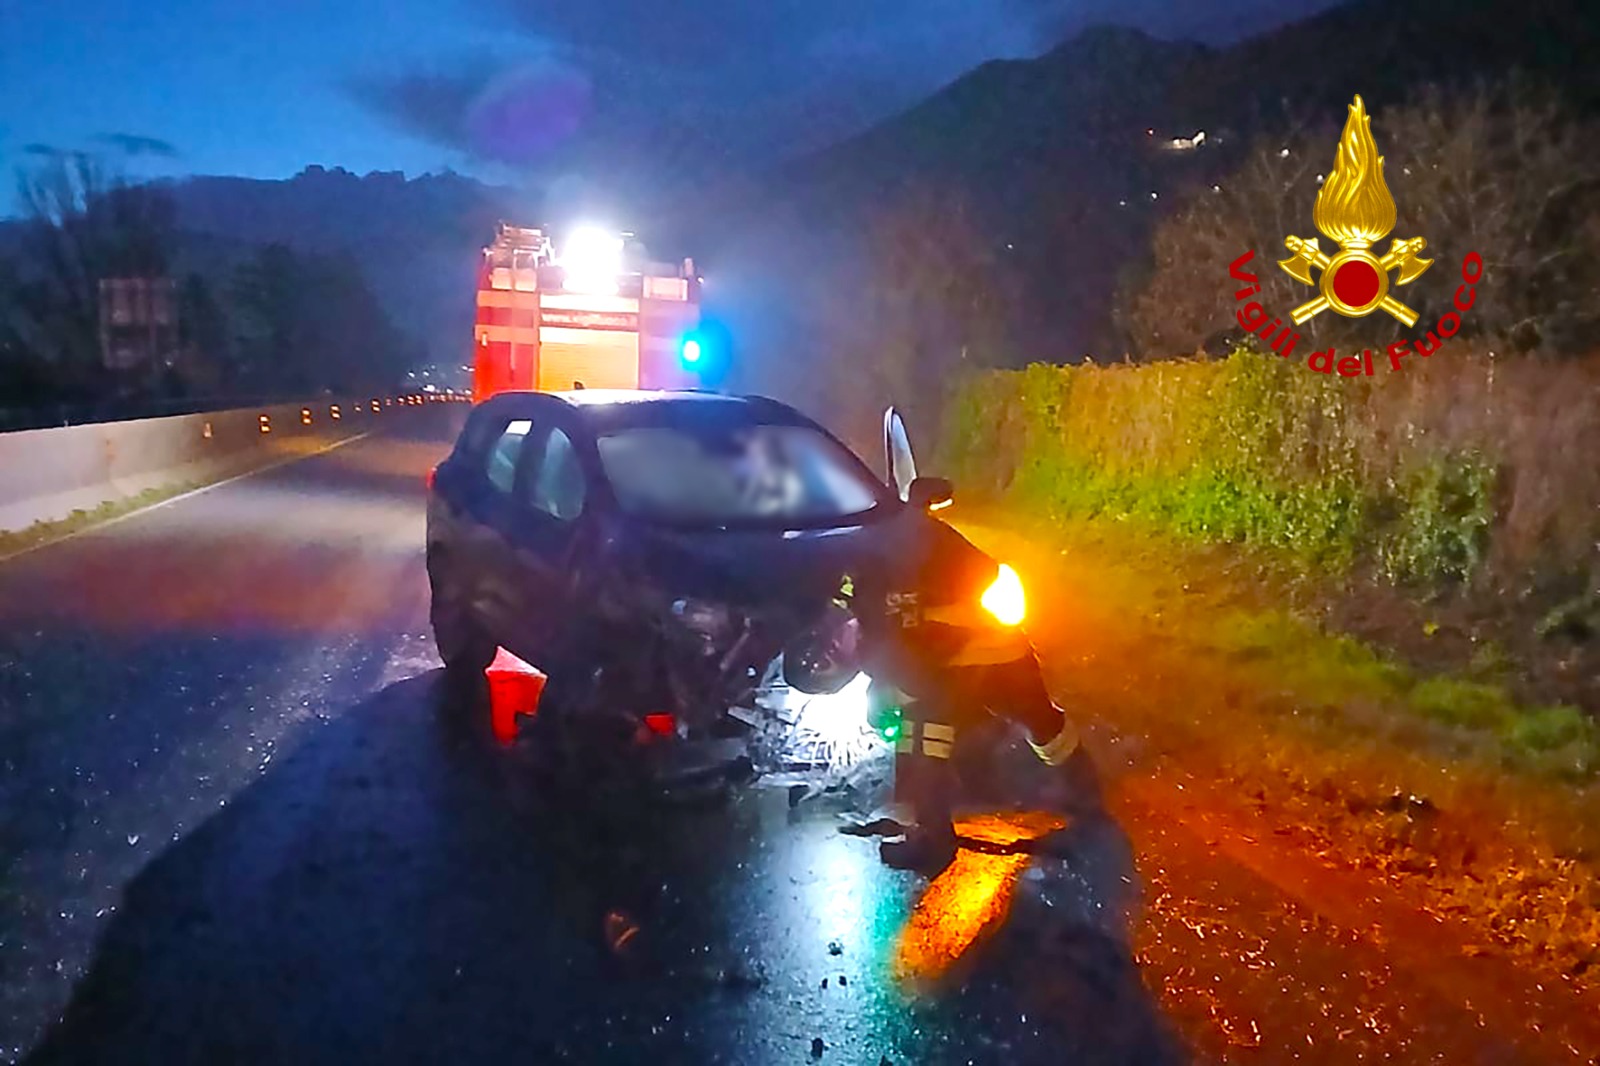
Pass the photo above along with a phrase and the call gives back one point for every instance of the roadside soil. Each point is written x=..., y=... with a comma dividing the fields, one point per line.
x=1212, y=704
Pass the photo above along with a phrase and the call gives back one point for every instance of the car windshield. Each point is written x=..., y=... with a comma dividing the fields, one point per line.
x=741, y=475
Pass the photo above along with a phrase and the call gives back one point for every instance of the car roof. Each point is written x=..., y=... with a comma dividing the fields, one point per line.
x=616, y=408
x=595, y=397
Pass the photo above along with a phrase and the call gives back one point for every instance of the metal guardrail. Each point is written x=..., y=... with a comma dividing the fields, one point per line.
x=46, y=416
x=51, y=472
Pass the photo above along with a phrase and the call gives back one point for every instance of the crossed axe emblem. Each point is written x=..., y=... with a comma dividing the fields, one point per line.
x=1307, y=256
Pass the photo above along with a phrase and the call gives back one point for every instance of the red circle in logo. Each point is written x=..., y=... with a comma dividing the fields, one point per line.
x=1356, y=283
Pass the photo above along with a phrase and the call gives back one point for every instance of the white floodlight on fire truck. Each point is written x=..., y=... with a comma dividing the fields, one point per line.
x=591, y=258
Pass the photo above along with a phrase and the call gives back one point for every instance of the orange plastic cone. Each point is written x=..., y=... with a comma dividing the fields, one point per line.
x=514, y=688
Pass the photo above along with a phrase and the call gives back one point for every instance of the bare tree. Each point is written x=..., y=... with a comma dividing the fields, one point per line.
x=1515, y=177
x=1506, y=172
x=81, y=223
x=929, y=307
x=1185, y=301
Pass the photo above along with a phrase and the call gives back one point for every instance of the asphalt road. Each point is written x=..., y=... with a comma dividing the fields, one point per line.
x=242, y=821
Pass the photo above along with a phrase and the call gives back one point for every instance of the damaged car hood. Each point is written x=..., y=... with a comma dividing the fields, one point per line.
x=752, y=567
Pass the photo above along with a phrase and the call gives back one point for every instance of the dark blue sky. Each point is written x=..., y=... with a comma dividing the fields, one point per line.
x=576, y=91
x=235, y=87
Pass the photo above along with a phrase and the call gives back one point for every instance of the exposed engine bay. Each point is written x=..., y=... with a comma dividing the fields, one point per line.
x=787, y=677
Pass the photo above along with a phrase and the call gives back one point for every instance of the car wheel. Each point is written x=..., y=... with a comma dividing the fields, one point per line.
x=582, y=746
x=464, y=647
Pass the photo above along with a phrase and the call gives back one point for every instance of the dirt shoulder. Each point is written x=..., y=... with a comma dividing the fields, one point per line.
x=1192, y=674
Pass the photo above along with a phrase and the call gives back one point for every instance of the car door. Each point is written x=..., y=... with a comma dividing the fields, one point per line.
x=493, y=510
x=900, y=465
x=545, y=540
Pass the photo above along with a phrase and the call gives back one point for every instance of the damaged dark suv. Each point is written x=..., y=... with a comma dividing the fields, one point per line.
x=722, y=570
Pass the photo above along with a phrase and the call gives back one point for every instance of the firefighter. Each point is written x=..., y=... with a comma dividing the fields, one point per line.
x=946, y=690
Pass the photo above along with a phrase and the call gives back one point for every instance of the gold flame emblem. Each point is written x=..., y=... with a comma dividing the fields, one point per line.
x=1355, y=210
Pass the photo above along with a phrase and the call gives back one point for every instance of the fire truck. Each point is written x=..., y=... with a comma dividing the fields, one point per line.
x=592, y=313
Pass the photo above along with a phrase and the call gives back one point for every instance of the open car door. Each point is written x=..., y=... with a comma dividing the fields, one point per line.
x=898, y=461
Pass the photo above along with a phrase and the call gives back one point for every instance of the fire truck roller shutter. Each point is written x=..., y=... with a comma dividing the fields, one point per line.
x=601, y=359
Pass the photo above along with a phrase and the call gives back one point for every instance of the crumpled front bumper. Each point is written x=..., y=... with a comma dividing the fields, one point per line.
x=678, y=763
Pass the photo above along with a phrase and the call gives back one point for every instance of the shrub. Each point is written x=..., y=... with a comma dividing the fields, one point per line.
x=1462, y=703
x=1549, y=728
x=1454, y=468
x=1445, y=510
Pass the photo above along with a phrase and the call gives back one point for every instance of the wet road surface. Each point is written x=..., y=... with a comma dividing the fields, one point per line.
x=243, y=821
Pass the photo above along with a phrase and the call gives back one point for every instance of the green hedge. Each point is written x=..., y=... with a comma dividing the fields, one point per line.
x=1249, y=449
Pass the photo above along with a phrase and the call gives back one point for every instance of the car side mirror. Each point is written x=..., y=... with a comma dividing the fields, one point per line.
x=931, y=494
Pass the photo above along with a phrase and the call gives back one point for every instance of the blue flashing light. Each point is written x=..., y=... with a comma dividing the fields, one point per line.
x=704, y=352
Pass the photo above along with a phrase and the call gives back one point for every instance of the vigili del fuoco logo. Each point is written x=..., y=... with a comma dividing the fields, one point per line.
x=1356, y=211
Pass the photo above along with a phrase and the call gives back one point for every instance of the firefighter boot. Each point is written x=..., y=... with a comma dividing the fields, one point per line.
x=1074, y=785
x=925, y=779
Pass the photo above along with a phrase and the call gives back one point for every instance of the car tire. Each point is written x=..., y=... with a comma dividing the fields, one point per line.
x=465, y=649
x=581, y=745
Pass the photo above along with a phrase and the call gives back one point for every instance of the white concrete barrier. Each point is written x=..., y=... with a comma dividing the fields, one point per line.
x=48, y=474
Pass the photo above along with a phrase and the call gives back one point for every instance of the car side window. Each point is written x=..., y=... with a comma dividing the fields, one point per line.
x=502, y=463
x=557, y=486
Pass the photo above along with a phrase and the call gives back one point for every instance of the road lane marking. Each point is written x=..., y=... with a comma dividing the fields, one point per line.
x=98, y=526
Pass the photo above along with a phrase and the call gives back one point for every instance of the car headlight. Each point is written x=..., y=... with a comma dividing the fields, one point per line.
x=1004, y=598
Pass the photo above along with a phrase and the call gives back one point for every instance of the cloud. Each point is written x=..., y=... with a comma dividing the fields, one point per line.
x=709, y=34
x=683, y=90
x=134, y=144
x=129, y=144
x=675, y=92
x=517, y=113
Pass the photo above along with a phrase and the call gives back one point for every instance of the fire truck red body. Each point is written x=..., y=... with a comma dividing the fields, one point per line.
x=593, y=315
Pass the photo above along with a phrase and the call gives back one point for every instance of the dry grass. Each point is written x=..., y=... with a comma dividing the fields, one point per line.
x=1469, y=484
x=1538, y=420
x=15, y=542
x=1367, y=608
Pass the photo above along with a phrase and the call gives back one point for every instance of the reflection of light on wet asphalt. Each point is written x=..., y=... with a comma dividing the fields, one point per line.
x=412, y=655
x=971, y=897
x=969, y=900
x=840, y=884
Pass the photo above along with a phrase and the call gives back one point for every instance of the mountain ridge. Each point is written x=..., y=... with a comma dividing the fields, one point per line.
x=415, y=239
x=1061, y=156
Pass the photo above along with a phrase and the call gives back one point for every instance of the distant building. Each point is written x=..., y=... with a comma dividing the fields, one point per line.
x=1186, y=144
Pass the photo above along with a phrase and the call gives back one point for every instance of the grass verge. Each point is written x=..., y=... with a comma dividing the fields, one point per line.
x=1556, y=741
x=1203, y=661
x=15, y=542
